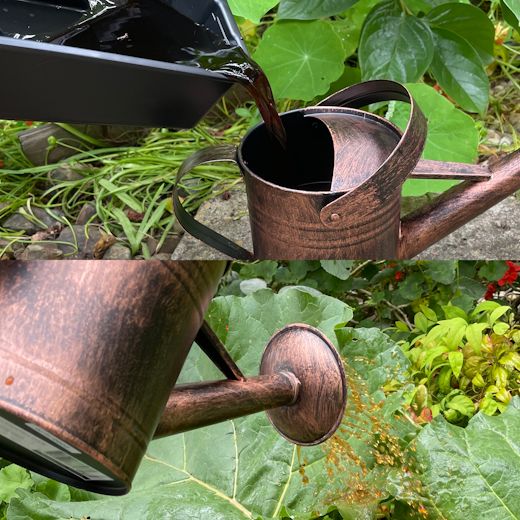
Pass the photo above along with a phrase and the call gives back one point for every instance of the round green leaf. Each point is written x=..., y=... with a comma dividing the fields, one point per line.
x=468, y=22
x=459, y=71
x=338, y=268
x=452, y=135
x=394, y=45
x=251, y=9
x=411, y=288
x=312, y=9
x=301, y=59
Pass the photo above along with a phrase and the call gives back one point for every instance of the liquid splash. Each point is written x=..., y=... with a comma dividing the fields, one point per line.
x=366, y=455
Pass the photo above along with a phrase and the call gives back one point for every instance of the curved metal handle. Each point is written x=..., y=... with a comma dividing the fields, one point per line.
x=398, y=166
x=192, y=226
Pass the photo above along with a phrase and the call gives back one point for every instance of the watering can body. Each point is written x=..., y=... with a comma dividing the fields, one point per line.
x=341, y=198
x=117, y=63
x=89, y=358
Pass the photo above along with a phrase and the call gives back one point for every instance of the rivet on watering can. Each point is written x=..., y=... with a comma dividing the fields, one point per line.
x=334, y=217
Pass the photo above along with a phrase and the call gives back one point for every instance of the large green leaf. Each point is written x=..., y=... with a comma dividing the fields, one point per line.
x=384, y=356
x=11, y=478
x=452, y=135
x=251, y=9
x=301, y=59
x=312, y=9
x=394, y=45
x=459, y=71
x=473, y=473
x=242, y=468
x=468, y=22
x=511, y=12
x=231, y=470
x=348, y=28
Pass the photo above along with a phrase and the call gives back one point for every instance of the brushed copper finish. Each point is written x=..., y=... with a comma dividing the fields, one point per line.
x=90, y=353
x=354, y=212
x=457, y=206
x=200, y=404
x=93, y=350
x=308, y=354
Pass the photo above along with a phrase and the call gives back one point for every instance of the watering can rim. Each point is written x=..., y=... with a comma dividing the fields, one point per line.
x=310, y=112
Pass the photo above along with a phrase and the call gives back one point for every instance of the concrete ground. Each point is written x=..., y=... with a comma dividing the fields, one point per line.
x=494, y=235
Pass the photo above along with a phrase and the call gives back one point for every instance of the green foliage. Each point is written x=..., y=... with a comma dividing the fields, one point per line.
x=13, y=478
x=301, y=59
x=394, y=45
x=446, y=362
x=312, y=9
x=452, y=135
x=465, y=468
x=465, y=362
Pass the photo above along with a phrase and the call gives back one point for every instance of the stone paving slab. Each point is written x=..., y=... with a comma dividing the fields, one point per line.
x=494, y=235
x=227, y=217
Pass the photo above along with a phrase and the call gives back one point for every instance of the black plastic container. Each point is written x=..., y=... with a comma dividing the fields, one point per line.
x=84, y=81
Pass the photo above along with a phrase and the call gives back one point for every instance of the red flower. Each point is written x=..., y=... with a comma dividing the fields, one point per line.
x=490, y=292
x=1, y=164
x=388, y=266
x=398, y=275
x=29, y=123
x=511, y=274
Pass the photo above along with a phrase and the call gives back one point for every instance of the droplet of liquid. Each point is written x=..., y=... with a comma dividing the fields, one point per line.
x=9, y=381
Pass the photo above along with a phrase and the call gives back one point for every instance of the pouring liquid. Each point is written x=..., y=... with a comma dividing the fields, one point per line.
x=152, y=29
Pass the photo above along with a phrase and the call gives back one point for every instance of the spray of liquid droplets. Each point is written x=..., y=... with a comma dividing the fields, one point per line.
x=366, y=454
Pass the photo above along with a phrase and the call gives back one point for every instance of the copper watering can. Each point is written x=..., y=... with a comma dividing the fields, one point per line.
x=341, y=197
x=90, y=354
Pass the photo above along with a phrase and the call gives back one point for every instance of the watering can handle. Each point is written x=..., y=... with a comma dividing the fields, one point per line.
x=192, y=226
x=382, y=185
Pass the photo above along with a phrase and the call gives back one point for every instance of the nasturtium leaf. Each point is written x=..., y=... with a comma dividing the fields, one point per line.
x=464, y=301
x=472, y=472
x=442, y=271
x=452, y=135
x=511, y=12
x=328, y=283
x=13, y=477
x=251, y=9
x=394, y=45
x=265, y=269
x=351, y=76
x=459, y=71
x=470, y=23
x=411, y=288
x=470, y=287
x=301, y=59
x=338, y=268
x=312, y=9
x=493, y=270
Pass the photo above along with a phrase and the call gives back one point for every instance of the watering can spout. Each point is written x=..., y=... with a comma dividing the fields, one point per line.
x=301, y=386
x=482, y=189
